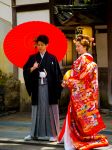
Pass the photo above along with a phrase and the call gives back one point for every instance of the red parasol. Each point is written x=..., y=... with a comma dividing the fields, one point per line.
x=19, y=42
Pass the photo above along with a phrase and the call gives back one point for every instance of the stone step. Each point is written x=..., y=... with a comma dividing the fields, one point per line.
x=43, y=143
x=104, y=148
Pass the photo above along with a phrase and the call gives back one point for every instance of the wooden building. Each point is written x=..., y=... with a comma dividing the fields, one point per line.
x=72, y=17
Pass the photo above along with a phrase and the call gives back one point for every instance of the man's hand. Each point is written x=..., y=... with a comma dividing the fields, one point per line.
x=35, y=66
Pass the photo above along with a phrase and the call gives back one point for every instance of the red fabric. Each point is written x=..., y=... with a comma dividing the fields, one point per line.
x=84, y=120
x=60, y=136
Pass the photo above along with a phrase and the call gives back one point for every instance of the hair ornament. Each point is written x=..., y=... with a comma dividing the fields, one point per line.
x=84, y=39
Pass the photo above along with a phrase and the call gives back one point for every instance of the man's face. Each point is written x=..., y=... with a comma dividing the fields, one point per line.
x=41, y=46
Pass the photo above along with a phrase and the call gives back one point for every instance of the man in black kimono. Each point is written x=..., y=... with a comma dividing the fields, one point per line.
x=43, y=78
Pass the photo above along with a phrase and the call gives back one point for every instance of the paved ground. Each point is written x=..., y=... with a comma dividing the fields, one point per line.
x=12, y=146
x=15, y=126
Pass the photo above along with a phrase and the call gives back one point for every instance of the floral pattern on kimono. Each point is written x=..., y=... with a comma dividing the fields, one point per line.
x=84, y=119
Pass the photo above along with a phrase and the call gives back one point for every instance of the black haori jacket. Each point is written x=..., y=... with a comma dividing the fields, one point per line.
x=54, y=77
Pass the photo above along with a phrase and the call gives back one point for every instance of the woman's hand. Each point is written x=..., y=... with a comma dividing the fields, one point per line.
x=64, y=83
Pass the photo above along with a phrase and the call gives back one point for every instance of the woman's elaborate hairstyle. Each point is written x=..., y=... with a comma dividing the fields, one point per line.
x=42, y=38
x=84, y=40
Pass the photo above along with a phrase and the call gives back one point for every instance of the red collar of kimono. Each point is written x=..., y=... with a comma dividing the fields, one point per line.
x=88, y=56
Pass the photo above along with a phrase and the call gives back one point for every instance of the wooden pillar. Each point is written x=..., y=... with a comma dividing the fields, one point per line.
x=51, y=3
x=94, y=53
x=109, y=36
x=14, y=23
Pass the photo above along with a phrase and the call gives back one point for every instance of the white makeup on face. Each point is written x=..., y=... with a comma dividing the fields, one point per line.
x=80, y=48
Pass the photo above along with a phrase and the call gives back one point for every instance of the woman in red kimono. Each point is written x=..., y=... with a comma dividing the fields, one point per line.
x=83, y=120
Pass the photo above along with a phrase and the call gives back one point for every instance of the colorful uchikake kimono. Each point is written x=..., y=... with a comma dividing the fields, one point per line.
x=83, y=120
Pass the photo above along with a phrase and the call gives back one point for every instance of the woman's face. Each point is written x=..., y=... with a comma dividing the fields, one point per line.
x=41, y=46
x=80, y=48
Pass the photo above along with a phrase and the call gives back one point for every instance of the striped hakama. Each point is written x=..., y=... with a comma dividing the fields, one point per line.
x=45, y=117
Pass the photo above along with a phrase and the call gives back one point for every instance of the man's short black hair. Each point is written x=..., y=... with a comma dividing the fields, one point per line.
x=42, y=38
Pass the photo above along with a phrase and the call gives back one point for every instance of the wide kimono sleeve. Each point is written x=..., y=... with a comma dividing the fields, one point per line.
x=77, y=71
x=84, y=71
x=94, y=84
x=58, y=78
x=27, y=76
